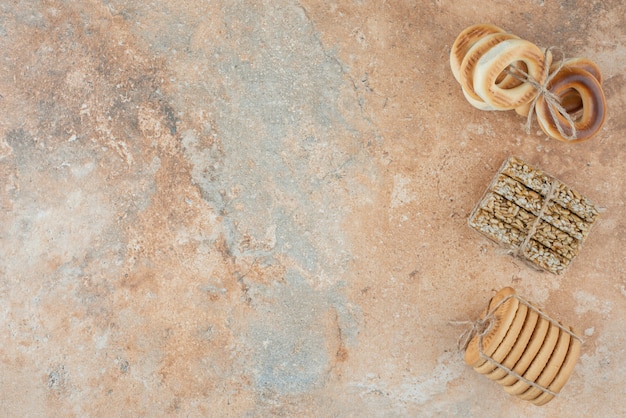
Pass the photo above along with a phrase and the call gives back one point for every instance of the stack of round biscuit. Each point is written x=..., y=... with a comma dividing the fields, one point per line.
x=526, y=343
x=499, y=71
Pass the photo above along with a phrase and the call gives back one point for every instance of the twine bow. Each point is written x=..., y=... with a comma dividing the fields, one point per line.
x=552, y=100
x=473, y=328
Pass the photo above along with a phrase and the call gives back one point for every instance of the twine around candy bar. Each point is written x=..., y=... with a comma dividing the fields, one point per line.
x=482, y=326
x=552, y=100
x=533, y=228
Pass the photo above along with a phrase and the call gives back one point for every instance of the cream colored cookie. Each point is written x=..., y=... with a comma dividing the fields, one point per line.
x=491, y=65
x=464, y=42
x=468, y=65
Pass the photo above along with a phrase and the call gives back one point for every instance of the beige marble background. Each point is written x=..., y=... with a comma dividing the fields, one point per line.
x=258, y=208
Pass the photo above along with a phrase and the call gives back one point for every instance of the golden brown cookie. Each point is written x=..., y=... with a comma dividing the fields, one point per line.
x=538, y=363
x=564, y=372
x=507, y=343
x=582, y=63
x=533, y=347
x=518, y=348
x=551, y=369
x=583, y=96
x=502, y=312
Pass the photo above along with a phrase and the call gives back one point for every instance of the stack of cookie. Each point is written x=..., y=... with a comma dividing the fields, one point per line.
x=499, y=71
x=524, y=350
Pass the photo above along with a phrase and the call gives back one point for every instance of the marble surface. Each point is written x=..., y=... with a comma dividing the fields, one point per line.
x=259, y=208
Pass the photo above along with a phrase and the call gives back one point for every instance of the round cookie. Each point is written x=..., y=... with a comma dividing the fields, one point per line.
x=468, y=66
x=583, y=95
x=551, y=369
x=538, y=363
x=491, y=65
x=518, y=348
x=468, y=37
x=583, y=63
x=531, y=350
x=507, y=343
x=572, y=102
x=564, y=372
x=505, y=306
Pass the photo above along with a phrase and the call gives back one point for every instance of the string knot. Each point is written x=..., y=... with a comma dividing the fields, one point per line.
x=474, y=328
x=552, y=100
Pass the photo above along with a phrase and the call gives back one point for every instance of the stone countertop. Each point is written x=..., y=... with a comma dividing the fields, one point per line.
x=241, y=208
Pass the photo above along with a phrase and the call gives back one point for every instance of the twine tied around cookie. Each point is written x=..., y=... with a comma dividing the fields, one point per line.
x=482, y=326
x=553, y=101
x=473, y=328
x=510, y=371
x=479, y=327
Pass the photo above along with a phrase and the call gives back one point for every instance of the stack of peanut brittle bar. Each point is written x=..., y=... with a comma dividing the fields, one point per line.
x=536, y=216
